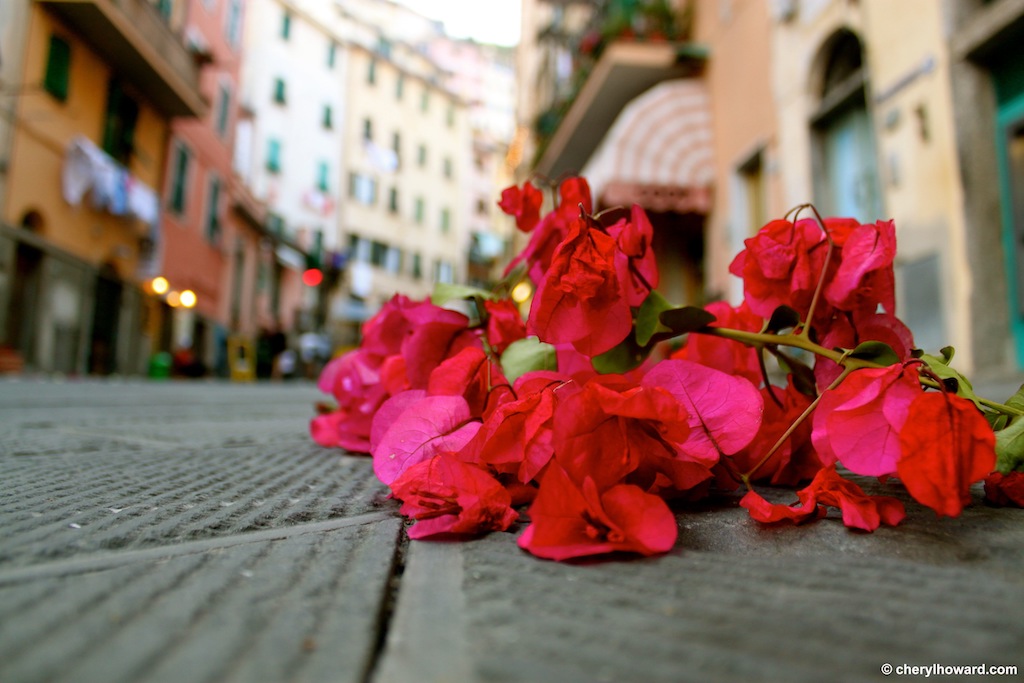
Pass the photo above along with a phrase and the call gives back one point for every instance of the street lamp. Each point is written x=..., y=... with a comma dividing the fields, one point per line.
x=187, y=298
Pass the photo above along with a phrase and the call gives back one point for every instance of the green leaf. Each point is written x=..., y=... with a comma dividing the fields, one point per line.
x=443, y=293
x=782, y=318
x=876, y=352
x=648, y=322
x=526, y=355
x=686, y=319
x=940, y=366
x=1010, y=438
x=623, y=358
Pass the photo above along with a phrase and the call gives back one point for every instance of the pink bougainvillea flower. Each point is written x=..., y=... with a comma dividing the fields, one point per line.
x=859, y=510
x=731, y=357
x=859, y=422
x=580, y=299
x=864, y=279
x=1005, y=490
x=523, y=204
x=423, y=429
x=848, y=330
x=472, y=374
x=724, y=411
x=434, y=335
x=635, y=263
x=613, y=428
x=505, y=323
x=355, y=381
x=570, y=520
x=449, y=497
x=947, y=445
x=795, y=460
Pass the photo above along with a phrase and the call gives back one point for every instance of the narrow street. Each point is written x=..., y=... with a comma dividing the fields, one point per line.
x=191, y=531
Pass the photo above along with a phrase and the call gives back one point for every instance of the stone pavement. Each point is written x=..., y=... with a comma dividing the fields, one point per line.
x=188, y=532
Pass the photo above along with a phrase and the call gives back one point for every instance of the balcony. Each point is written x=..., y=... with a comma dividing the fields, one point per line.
x=132, y=37
x=624, y=71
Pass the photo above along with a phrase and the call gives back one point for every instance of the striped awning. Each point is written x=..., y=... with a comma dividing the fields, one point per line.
x=659, y=152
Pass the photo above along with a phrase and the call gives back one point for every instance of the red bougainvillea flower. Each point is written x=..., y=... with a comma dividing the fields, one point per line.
x=781, y=265
x=864, y=279
x=473, y=375
x=434, y=335
x=523, y=204
x=795, y=460
x=450, y=497
x=859, y=510
x=635, y=263
x=947, y=445
x=1005, y=490
x=613, y=428
x=553, y=227
x=580, y=299
x=731, y=357
x=570, y=520
x=505, y=323
x=517, y=437
x=859, y=422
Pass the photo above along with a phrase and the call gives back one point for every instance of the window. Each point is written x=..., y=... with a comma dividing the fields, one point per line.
x=417, y=266
x=371, y=72
x=332, y=53
x=442, y=271
x=213, y=226
x=450, y=115
x=279, y=91
x=119, y=124
x=165, y=8
x=362, y=188
x=384, y=47
x=393, y=200
x=58, y=64
x=378, y=253
x=233, y=24
x=286, y=26
x=322, y=174
x=396, y=147
x=179, y=179
x=446, y=220
x=367, y=129
x=328, y=119
x=447, y=166
x=399, y=86
x=223, y=110
x=418, y=211
x=421, y=156
x=275, y=224
x=274, y=155
x=425, y=99
x=393, y=260
x=482, y=207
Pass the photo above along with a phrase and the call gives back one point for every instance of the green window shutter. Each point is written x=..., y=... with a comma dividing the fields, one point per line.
x=58, y=66
x=328, y=121
x=321, y=176
x=279, y=91
x=273, y=156
x=286, y=26
x=119, y=124
x=213, y=211
x=223, y=108
x=179, y=179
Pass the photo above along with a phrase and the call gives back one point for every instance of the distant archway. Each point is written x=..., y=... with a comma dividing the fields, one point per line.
x=844, y=159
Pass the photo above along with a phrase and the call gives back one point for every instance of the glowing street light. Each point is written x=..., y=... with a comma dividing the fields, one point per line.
x=159, y=285
x=187, y=298
x=522, y=292
x=174, y=298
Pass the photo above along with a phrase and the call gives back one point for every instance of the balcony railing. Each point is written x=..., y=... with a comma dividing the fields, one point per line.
x=133, y=38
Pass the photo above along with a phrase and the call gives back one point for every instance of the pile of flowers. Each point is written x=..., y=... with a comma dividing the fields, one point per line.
x=607, y=403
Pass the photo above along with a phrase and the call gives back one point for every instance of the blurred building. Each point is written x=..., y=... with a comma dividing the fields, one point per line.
x=89, y=92
x=717, y=115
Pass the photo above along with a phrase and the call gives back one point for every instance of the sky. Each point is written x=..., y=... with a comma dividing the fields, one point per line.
x=486, y=21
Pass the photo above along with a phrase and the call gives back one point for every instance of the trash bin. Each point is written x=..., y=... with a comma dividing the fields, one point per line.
x=160, y=365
